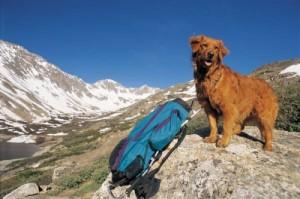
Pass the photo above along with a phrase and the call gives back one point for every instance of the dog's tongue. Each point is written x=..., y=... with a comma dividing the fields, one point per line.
x=207, y=63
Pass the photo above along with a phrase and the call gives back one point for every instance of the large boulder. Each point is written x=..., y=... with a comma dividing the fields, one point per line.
x=23, y=191
x=242, y=170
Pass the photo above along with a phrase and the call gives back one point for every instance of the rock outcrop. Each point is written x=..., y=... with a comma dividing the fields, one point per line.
x=23, y=191
x=242, y=170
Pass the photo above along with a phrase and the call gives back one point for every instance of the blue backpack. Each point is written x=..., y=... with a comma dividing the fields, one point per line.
x=133, y=156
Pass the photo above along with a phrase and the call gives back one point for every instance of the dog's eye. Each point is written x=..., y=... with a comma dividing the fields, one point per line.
x=216, y=47
x=195, y=54
x=203, y=45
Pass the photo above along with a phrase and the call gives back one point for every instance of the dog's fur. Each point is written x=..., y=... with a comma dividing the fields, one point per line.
x=237, y=98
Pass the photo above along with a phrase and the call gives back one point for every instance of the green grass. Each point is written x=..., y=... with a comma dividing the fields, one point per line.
x=23, y=177
x=70, y=182
x=28, y=174
x=99, y=175
x=88, y=187
x=124, y=126
x=78, y=143
x=74, y=139
x=86, y=179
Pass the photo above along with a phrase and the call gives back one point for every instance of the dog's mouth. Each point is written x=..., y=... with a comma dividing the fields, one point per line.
x=202, y=60
x=208, y=62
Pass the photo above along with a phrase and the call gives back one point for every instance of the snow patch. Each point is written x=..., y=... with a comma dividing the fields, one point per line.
x=111, y=116
x=167, y=93
x=22, y=139
x=190, y=91
x=187, y=98
x=57, y=134
x=132, y=117
x=104, y=130
x=292, y=69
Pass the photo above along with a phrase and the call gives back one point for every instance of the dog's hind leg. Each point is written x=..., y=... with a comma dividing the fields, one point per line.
x=266, y=120
x=266, y=131
x=237, y=129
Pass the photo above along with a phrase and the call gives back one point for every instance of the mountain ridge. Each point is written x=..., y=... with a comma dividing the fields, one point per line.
x=33, y=89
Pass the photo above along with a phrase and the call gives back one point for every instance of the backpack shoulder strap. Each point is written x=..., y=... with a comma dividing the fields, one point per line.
x=180, y=138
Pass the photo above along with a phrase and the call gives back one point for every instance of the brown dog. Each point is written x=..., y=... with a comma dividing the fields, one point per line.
x=236, y=97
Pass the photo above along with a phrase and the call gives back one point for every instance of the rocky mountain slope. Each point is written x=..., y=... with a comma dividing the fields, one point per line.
x=284, y=77
x=242, y=170
x=31, y=89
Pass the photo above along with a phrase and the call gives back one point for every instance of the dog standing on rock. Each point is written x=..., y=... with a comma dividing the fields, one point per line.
x=237, y=98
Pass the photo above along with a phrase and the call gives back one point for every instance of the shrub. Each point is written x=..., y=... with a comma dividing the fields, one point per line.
x=97, y=172
x=99, y=175
x=69, y=182
x=28, y=174
x=101, y=171
x=289, y=107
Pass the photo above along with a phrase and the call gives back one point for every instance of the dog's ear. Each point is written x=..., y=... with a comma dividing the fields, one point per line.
x=223, y=51
x=195, y=42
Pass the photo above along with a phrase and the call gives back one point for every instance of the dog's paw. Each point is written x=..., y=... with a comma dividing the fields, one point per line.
x=210, y=139
x=222, y=143
x=268, y=147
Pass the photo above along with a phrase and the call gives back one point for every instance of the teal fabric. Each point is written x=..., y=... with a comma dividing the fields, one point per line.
x=152, y=133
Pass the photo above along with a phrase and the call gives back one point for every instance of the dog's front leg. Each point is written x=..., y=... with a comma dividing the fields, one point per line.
x=212, y=117
x=229, y=119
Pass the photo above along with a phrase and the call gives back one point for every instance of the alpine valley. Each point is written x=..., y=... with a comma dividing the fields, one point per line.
x=76, y=125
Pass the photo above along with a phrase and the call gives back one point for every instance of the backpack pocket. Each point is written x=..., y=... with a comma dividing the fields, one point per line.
x=134, y=168
x=114, y=154
x=165, y=131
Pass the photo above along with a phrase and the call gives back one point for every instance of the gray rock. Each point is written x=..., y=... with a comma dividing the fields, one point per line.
x=62, y=170
x=102, y=193
x=23, y=191
x=59, y=172
x=242, y=170
x=46, y=188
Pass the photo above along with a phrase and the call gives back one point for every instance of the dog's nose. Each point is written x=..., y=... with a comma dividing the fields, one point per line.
x=210, y=55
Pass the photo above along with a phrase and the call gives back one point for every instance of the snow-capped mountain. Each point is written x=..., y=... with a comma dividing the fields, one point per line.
x=31, y=89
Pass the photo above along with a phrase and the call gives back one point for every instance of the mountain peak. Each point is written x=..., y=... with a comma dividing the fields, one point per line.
x=107, y=83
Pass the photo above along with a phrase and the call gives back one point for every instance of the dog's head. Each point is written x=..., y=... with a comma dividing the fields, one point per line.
x=207, y=51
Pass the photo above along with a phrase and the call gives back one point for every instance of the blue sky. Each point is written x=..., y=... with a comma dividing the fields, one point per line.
x=146, y=42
